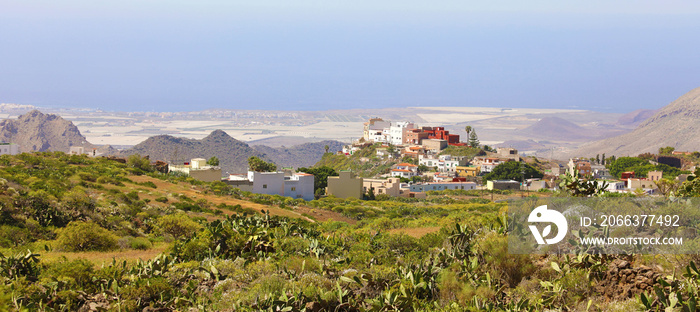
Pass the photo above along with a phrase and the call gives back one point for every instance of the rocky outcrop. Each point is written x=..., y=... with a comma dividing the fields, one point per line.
x=39, y=132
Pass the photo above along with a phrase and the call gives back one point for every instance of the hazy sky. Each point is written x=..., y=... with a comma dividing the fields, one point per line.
x=613, y=56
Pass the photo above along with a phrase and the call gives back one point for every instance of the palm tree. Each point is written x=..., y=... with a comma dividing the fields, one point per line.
x=326, y=147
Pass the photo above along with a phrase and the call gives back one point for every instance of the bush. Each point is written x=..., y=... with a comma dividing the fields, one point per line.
x=141, y=243
x=178, y=225
x=85, y=236
x=162, y=199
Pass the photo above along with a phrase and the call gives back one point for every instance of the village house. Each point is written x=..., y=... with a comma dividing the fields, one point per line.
x=615, y=186
x=582, y=165
x=534, y=185
x=284, y=183
x=508, y=153
x=467, y=171
x=415, y=136
x=434, y=145
x=404, y=170
x=503, y=185
x=600, y=172
x=374, y=130
x=441, y=186
x=440, y=133
x=398, y=131
x=345, y=185
x=391, y=186
x=9, y=149
x=198, y=169
x=488, y=163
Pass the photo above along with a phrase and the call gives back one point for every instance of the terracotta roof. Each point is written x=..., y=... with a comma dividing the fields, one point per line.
x=304, y=174
x=406, y=165
x=400, y=170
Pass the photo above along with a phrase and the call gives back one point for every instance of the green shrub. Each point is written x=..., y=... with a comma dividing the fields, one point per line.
x=162, y=199
x=141, y=243
x=85, y=236
x=178, y=225
x=11, y=236
x=149, y=184
x=76, y=273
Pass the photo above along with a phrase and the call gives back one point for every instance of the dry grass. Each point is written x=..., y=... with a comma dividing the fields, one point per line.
x=416, y=232
x=99, y=258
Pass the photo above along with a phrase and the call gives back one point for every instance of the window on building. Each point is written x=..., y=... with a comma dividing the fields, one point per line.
x=298, y=195
x=294, y=189
x=264, y=186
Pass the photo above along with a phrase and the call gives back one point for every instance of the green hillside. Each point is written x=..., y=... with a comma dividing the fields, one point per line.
x=84, y=234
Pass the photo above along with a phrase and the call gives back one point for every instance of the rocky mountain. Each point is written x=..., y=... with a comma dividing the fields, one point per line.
x=233, y=154
x=677, y=125
x=39, y=132
x=302, y=155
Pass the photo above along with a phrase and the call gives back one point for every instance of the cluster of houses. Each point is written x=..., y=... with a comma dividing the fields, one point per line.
x=347, y=185
x=628, y=182
x=424, y=144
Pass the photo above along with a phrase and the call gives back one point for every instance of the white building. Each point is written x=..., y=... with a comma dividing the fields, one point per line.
x=9, y=149
x=288, y=184
x=428, y=161
x=374, y=130
x=198, y=169
x=397, y=132
x=615, y=186
x=487, y=163
x=405, y=170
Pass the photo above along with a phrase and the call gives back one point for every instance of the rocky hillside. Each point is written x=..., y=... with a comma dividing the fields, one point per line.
x=233, y=154
x=302, y=155
x=39, y=132
x=677, y=125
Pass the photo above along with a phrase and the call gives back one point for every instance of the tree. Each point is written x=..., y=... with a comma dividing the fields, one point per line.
x=667, y=186
x=321, y=175
x=597, y=159
x=666, y=150
x=473, y=139
x=370, y=194
x=257, y=164
x=513, y=170
x=602, y=160
x=214, y=161
x=326, y=148
x=622, y=164
x=138, y=162
x=468, y=129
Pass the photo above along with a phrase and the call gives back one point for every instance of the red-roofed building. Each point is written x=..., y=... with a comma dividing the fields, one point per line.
x=439, y=133
x=404, y=170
